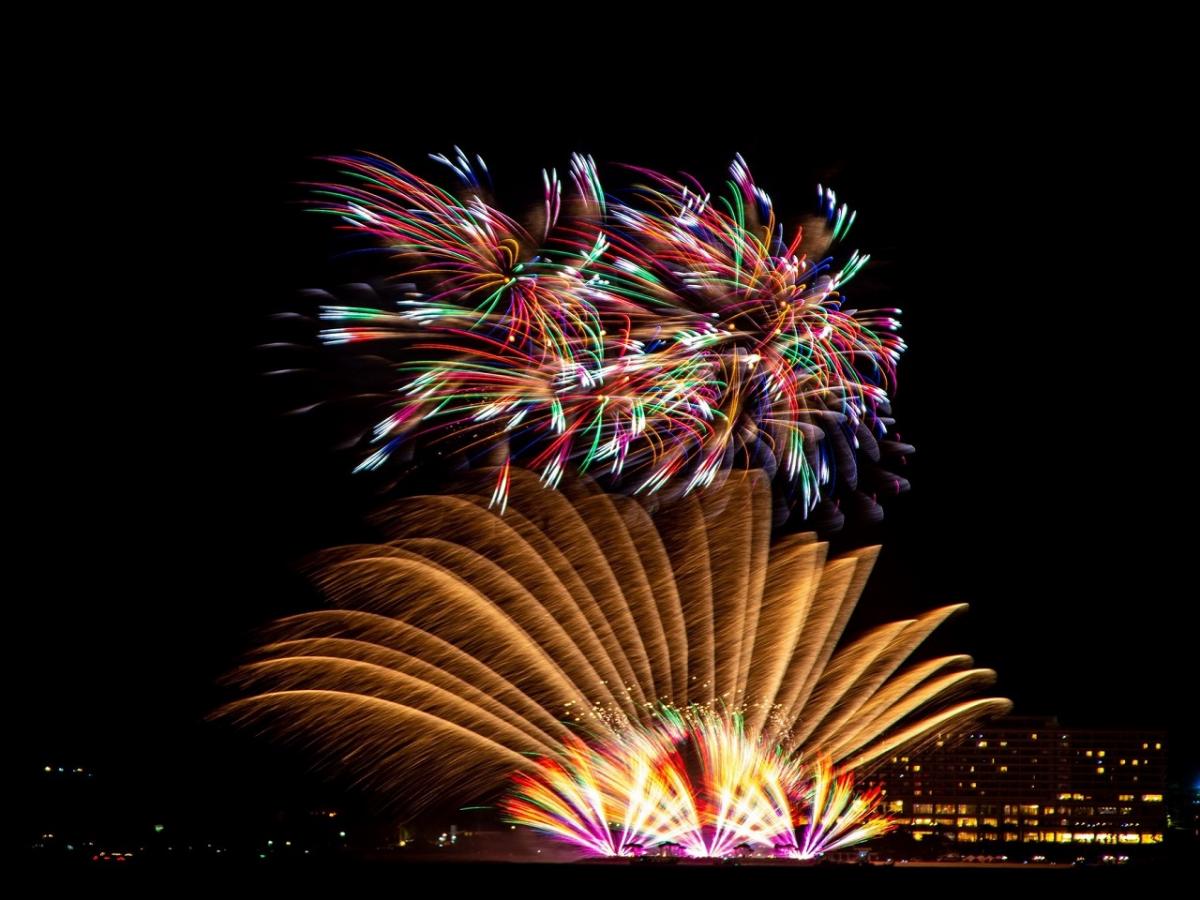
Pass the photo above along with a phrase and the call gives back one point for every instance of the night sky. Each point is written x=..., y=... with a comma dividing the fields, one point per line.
x=165, y=504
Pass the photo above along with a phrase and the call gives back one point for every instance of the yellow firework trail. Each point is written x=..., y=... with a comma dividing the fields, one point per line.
x=472, y=644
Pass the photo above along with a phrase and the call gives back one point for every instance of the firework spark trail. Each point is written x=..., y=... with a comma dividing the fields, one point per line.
x=657, y=336
x=578, y=612
x=837, y=816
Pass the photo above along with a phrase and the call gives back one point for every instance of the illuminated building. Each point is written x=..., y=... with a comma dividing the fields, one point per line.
x=1031, y=780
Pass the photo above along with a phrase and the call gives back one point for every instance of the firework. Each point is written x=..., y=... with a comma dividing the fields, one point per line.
x=635, y=792
x=472, y=644
x=656, y=339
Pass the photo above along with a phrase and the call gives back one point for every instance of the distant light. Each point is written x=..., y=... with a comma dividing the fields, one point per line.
x=341, y=834
x=158, y=829
x=49, y=769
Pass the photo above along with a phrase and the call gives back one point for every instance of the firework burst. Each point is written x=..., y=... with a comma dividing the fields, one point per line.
x=472, y=644
x=657, y=338
x=637, y=791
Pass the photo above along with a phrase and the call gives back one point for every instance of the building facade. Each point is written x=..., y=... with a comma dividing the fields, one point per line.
x=1031, y=780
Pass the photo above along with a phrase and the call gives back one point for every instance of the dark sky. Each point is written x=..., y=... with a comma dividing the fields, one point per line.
x=1028, y=241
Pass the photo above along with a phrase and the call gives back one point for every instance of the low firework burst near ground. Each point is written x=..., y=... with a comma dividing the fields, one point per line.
x=637, y=792
x=472, y=645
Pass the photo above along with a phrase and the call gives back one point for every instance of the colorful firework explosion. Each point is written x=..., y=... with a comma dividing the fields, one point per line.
x=656, y=338
x=637, y=792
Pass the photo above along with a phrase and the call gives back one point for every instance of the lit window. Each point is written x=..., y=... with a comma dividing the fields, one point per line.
x=1124, y=798
x=983, y=743
x=917, y=768
x=1152, y=798
x=1101, y=753
x=1099, y=770
x=1004, y=768
x=1158, y=746
x=1089, y=753
x=1033, y=737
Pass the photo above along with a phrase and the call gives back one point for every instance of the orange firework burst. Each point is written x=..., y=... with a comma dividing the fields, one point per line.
x=473, y=644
